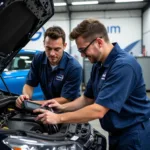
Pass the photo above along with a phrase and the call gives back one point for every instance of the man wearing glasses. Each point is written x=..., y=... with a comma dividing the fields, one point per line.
x=115, y=93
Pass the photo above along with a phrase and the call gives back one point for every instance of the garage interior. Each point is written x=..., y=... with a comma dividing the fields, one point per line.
x=127, y=22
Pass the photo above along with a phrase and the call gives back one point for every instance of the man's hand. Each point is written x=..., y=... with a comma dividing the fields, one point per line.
x=47, y=117
x=53, y=104
x=20, y=99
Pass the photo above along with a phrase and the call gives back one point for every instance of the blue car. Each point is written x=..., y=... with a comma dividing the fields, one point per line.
x=15, y=74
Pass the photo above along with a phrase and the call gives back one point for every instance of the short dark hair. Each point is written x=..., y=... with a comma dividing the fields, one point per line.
x=55, y=32
x=89, y=29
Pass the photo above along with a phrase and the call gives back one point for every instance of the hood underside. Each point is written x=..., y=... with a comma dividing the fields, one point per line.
x=19, y=21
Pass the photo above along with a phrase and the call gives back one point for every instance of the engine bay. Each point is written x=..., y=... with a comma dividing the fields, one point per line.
x=14, y=118
x=19, y=122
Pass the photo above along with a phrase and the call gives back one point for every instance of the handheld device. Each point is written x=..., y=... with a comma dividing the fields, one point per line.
x=30, y=106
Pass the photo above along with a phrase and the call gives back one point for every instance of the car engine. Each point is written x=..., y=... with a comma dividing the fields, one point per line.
x=15, y=121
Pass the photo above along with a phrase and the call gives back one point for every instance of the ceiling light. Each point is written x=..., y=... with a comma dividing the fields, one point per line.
x=60, y=4
x=122, y=1
x=85, y=3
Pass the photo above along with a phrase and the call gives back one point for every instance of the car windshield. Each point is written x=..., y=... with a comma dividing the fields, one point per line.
x=21, y=61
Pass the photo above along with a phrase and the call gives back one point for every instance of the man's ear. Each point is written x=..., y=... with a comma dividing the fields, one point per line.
x=100, y=41
x=65, y=44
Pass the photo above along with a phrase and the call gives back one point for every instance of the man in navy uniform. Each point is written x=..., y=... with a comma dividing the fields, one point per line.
x=57, y=72
x=115, y=93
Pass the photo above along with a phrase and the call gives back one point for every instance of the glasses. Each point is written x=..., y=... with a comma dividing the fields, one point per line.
x=85, y=49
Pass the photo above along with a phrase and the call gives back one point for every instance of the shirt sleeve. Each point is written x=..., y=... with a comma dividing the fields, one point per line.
x=71, y=87
x=117, y=88
x=32, y=78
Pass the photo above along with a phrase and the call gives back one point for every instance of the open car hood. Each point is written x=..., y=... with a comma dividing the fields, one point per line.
x=19, y=21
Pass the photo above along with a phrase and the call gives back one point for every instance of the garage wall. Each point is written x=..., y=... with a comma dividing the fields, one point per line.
x=146, y=31
x=122, y=26
x=58, y=20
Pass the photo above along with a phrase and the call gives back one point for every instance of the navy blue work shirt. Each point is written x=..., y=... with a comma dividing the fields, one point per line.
x=118, y=84
x=63, y=81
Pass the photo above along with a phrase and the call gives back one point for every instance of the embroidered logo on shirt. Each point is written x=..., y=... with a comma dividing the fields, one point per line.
x=104, y=75
x=59, y=77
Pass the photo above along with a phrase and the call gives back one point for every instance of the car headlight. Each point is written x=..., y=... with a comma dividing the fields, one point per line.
x=23, y=143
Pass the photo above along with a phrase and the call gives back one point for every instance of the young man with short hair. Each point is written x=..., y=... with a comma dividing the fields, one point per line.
x=57, y=72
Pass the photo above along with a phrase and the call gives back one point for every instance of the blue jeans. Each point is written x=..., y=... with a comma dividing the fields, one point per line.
x=134, y=138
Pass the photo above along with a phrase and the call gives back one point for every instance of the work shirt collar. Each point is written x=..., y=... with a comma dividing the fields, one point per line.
x=62, y=63
x=111, y=56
